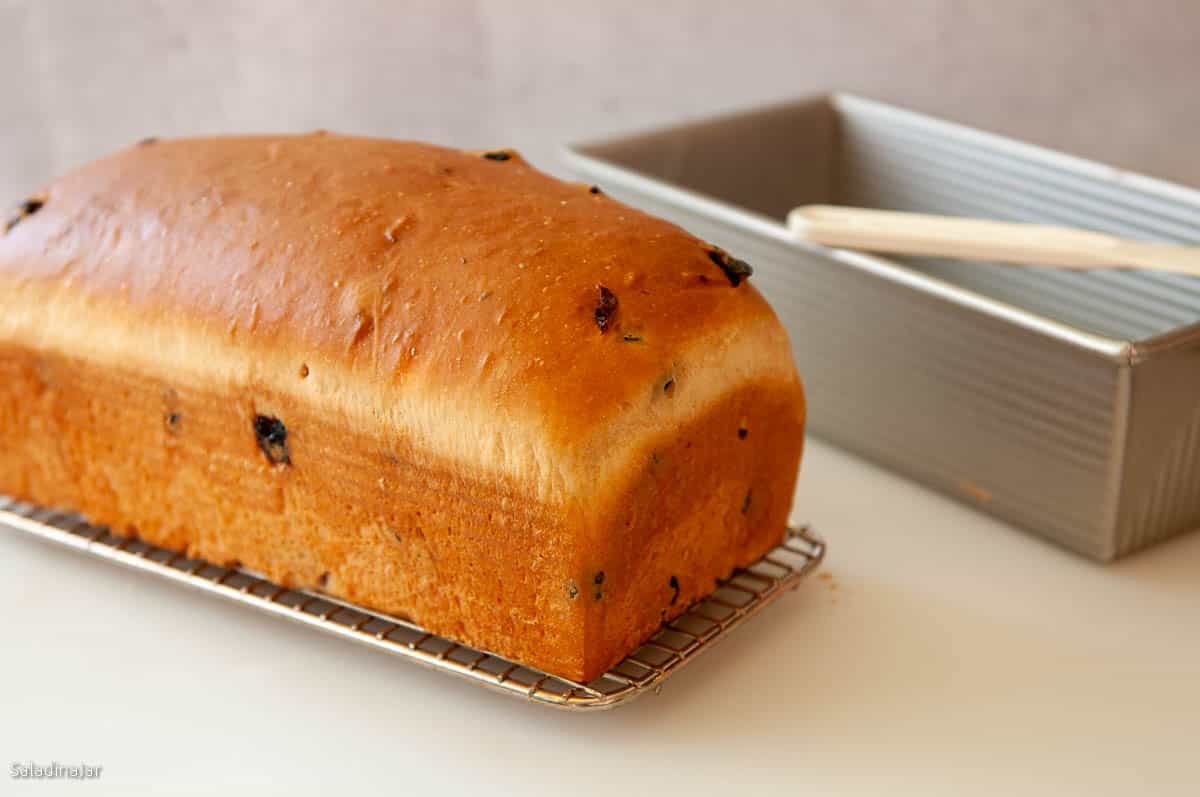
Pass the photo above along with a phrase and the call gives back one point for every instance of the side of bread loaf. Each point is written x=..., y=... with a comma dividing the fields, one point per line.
x=438, y=383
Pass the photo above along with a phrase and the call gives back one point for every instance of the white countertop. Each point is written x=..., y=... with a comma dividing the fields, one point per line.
x=946, y=653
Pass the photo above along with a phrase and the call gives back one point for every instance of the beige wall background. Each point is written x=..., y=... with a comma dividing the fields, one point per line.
x=1118, y=81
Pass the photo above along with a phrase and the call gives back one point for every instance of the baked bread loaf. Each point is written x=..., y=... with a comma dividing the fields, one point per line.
x=438, y=383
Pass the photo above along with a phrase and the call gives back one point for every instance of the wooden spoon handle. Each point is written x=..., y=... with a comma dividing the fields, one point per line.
x=942, y=236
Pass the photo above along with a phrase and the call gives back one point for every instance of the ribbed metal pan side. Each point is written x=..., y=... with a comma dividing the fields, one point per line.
x=894, y=159
x=1160, y=491
x=1171, y=503
x=924, y=385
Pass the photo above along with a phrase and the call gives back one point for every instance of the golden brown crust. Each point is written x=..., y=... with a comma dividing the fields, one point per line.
x=393, y=258
x=373, y=521
x=426, y=327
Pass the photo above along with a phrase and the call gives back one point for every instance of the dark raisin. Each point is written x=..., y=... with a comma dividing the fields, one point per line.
x=595, y=190
x=26, y=208
x=606, y=308
x=669, y=385
x=598, y=595
x=323, y=579
x=498, y=155
x=632, y=338
x=674, y=585
x=572, y=591
x=742, y=432
x=173, y=419
x=655, y=459
x=736, y=270
x=272, y=439
x=746, y=501
x=145, y=142
x=599, y=579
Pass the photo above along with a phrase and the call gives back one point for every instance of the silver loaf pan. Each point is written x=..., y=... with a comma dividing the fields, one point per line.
x=1066, y=403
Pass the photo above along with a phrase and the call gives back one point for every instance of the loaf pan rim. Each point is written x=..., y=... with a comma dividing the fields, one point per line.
x=577, y=157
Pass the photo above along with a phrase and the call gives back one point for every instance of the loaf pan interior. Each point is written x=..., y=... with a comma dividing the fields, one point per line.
x=840, y=149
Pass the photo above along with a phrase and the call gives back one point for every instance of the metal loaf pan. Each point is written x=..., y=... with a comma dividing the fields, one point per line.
x=1067, y=403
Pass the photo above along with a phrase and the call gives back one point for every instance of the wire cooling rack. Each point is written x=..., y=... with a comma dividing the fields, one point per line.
x=676, y=643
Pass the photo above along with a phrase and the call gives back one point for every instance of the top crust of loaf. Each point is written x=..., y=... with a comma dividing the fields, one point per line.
x=411, y=289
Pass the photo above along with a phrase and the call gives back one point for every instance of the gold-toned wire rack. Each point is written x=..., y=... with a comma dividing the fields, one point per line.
x=676, y=643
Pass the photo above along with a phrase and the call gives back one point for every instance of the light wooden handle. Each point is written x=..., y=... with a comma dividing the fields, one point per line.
x=941, y=236
x=976, y=239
